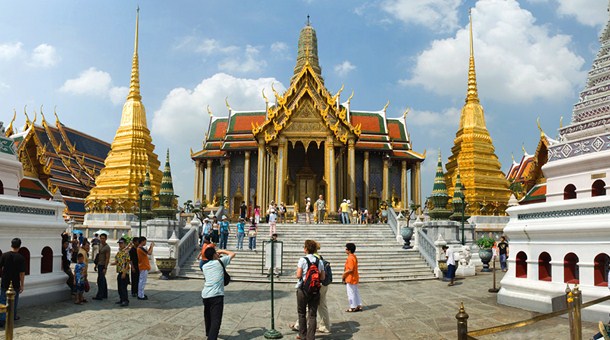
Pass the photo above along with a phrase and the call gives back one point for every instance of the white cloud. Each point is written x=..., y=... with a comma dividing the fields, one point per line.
x=44, y=55
x=438, y=15
x=182, y=118
x=213, y=46
x=344, y=68
x=587, y=12
x=94, y=82
x=9, y=51
x=280, y=50
x=515, y=58
x=449, y=117
x=248, y=63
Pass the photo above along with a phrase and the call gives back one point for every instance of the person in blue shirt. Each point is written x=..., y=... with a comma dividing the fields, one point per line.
x=224, y=232
x=213, y=290
x=241, y=232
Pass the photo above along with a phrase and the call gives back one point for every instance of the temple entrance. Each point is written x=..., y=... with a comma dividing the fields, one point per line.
x=305, y=170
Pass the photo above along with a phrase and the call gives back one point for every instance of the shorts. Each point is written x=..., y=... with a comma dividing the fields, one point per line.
x=80, y=287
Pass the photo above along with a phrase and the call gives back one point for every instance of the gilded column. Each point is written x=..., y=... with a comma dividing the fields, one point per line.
x=227, y=180
x=413, y=181
x=351, y=170
x=386, y=182
x=247, y=177
x=197, y=180
x=261, y=172
x=417, y=187
x=365, y=179
x=282, y=160
x=208, y=181
x=404, y=186
x=332, y=184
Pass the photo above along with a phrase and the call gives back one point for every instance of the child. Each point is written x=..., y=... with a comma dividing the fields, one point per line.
x=241, y=232
x=252, y=230
x=80, y=275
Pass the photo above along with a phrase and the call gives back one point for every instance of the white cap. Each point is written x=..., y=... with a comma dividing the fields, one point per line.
x=224, y=217
x=348, y=201
x=344, y=200
x=308, y=199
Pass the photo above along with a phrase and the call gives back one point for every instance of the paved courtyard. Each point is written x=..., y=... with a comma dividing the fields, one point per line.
x=405, y=310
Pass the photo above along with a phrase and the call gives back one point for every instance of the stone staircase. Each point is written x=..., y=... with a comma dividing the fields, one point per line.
x=380, y=257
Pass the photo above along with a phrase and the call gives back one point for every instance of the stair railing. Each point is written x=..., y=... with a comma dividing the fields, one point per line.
x=186, y=246
x=394, y=224
x=426, y=246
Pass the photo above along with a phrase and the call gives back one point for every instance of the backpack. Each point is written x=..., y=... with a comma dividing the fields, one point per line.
x=310, y=207
x=311, y=283
x=328, y=279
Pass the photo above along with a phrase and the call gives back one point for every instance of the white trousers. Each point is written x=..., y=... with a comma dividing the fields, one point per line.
x=353, y=295
x=142, y=283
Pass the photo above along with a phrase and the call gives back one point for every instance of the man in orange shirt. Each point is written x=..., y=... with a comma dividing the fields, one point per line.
x=351, y=279
x=144, y=266
x=207, y=243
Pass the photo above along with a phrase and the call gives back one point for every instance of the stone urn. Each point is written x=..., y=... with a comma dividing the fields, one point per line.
x=485, y=254
x=166, y=266
x=443, y=266
x=406, y=233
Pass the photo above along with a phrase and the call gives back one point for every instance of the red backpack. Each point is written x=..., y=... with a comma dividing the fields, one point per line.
x=311, y=283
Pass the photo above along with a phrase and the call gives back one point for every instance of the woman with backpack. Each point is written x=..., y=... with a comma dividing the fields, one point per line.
x=351, y=279
x=310, y=273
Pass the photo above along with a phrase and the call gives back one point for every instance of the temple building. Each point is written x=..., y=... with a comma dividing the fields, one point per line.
x=58, y=162
x=114, y=200
x=566, y=238
x=473, y=156
x=307, y=143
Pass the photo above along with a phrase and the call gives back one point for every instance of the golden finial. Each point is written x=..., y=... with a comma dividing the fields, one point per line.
x=350, y=97
x=561, y=122
x=523, y=148
x=265, y=97
x=425, y=151
x=277, y=95
x=35, y=117
x=308, y=23
x=27, y=118
x=56, y=117
x=227, y=103
x=134, y=85
x=404, y=114
x=340, y=90
x=210, y=112
x=513, y=157
x=386, y=106
x=539, y=127
x=472, y=95
x=9, y=129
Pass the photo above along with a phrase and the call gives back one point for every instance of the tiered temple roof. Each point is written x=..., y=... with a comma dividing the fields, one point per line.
x=56, y=157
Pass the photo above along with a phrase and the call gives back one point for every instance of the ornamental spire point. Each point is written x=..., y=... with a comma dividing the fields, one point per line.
x=472, y=95
x=134, y=85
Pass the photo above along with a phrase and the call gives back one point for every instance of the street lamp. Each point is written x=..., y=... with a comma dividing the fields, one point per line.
x=141, y=192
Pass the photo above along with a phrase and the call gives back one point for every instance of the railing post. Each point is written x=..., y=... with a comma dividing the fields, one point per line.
x=462, y=323
x=577, y=313
x=10, y=312
x=570, y=306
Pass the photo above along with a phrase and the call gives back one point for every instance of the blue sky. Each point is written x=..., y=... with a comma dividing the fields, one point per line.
x=531, y=56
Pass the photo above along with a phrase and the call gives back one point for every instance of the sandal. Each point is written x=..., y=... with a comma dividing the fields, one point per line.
x=359, y=309
x=352, y=310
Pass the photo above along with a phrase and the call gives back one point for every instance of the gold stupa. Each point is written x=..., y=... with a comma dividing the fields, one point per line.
x=473, y=155
x=132, y=152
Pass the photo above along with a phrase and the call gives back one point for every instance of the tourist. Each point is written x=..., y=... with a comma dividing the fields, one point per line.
x=12, y=265
x=321, y=208
x=351, y=278
x=201, y=256
x=241, y=232
x=272, y=221
x=215, y=230
x=135, y=270
x=84, y=250
x=95, y=244
x=344, y=209
x=224, y=232
x=276, y=261
x=243, y=209
x=257, y=214
x=74, y=248
x=122, y=261
x=252, y=231
x=80, y=276
x=65, y=264
x=365, y=216
x=206, y=229
x=308, y=210
x=81, y=239
x=450, y=264
x=213, y=290
x=144, y=266
x=503, y=250
x=281, y=210
x=307, y=303
x=102, y=266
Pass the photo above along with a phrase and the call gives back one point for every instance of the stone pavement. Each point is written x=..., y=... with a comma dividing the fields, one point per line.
x=396, y=310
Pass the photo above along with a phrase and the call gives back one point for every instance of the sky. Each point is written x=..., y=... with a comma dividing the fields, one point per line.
x=532, y=59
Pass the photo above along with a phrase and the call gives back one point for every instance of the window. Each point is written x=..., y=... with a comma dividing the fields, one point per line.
x=570, y=268
x=26, y=254
x=600, y=270
x=569, y=192
x=46, y=261
x=544, y=267
x=598, y=188
x=521, y=265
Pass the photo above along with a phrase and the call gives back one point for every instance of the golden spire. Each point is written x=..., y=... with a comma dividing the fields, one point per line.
x=472, y=96
x=308, y=51
x=134, y=84
x=9, y=130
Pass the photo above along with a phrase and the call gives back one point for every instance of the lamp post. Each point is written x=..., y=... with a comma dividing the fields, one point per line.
x=463, y=208
x=141, y=192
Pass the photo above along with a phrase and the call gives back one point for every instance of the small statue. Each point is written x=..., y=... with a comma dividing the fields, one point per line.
x=465, y=256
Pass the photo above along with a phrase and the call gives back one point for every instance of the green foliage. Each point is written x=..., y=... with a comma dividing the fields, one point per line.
x=485, y=242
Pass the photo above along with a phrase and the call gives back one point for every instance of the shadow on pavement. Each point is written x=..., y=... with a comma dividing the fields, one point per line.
x=252, y=296
x=370, y=307
x=248, y=333
x=341, y=331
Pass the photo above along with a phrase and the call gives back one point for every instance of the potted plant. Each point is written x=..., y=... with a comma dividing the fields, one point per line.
x=485, y=244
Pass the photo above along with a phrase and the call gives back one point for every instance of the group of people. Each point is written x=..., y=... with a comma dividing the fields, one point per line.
x=132, y=266
x=319, y=207
x=219, y=232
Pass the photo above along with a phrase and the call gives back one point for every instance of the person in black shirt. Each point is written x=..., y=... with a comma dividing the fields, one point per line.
x=12, y=265
x=503, y=250
x=135, y=271
x=243, y=209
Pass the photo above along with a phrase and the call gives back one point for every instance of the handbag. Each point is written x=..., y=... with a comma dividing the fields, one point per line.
x=87, y=286
x=227, y=277
x=251, y=233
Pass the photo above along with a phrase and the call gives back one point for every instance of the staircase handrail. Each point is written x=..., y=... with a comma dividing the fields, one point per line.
x=186, y=246
x=427, y=248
